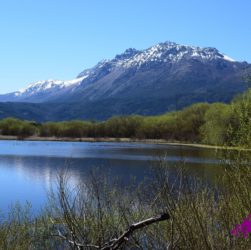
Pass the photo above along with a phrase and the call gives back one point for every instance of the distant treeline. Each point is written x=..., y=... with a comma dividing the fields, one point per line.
x=216, y=124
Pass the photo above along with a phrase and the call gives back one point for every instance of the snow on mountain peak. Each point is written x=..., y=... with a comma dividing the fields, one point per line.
x=227, y=58
x=167, y=52
x=49, y=84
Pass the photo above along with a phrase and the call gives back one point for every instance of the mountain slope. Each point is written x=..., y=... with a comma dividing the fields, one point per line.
x=161, y=78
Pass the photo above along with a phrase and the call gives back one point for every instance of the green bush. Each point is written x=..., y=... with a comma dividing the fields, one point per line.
x=12, y=126
x=216, y=124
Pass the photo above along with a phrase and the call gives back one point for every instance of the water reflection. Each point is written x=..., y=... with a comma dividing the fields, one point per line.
x=28, y=169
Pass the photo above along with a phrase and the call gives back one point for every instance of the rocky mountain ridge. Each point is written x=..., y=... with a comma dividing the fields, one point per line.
x=164, y=77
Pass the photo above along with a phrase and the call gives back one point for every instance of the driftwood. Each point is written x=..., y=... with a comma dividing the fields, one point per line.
x=117, y=242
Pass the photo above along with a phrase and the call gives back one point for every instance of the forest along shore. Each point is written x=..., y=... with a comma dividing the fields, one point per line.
x=205, y=125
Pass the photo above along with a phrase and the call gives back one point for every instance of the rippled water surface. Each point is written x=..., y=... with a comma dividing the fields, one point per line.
x=28, y=169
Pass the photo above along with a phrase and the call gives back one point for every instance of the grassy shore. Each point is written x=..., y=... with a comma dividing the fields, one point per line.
x=111, y=139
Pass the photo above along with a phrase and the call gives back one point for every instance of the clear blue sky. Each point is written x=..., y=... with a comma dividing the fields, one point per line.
x=59, y=38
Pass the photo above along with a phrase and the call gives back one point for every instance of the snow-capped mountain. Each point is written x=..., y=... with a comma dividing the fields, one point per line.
x=42, y=90
x=143, y=81
x=161, y=53
x=167, y=52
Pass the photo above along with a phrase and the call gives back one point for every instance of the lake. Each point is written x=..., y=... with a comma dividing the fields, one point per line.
x=28, y=169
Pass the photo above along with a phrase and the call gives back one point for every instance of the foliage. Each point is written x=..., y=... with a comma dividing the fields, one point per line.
x=242, y=110
x=20, y=230
x=216, y=124
x=66, y=129
x=216, y=129
x=12, y=126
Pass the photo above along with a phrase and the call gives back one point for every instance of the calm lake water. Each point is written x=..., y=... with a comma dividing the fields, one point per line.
x=28, y=169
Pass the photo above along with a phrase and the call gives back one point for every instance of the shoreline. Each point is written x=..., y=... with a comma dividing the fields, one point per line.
x=111, y=139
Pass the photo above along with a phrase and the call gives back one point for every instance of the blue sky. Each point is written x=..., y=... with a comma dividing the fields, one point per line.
x=56, y=39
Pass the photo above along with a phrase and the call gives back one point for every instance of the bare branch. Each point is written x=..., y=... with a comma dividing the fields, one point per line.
x=74, y=243
x=116, y=243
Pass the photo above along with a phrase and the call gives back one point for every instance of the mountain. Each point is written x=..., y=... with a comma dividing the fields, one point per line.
x=42, y=91
x=161, y=78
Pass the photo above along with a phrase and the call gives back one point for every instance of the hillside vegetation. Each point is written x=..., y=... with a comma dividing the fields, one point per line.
x=215, y=124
